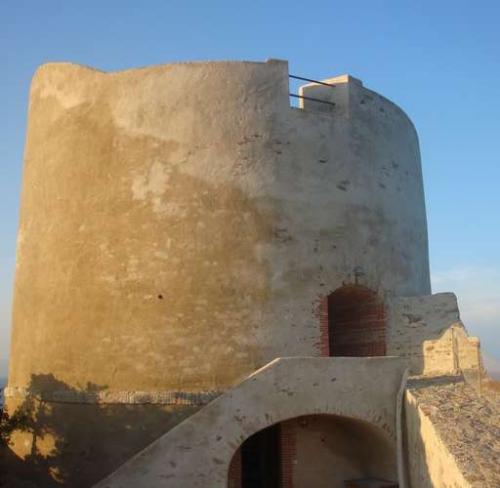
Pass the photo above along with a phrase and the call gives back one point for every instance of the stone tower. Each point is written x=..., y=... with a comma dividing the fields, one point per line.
x=182, y=226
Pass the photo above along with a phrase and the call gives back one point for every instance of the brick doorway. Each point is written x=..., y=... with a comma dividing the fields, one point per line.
x=265, y=459
x=356, y=322
x=259, y=461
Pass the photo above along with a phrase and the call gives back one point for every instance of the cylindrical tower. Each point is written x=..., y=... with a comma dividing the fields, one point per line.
x=180, y=225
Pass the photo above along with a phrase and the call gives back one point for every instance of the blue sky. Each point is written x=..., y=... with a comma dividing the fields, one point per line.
x=439, y=60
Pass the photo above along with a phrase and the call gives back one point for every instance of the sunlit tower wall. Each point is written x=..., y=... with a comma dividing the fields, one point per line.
x=181, y=226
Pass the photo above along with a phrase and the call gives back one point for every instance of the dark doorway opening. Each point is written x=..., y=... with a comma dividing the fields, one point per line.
x=356, y=322
x=260, y=459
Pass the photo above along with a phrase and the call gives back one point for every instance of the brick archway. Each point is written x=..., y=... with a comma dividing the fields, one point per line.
x=356, y=322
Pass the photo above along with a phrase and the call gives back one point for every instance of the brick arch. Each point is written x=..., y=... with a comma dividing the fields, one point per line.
x=355, y=323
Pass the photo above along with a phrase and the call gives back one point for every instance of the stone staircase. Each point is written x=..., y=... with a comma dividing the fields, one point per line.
x=197, y=452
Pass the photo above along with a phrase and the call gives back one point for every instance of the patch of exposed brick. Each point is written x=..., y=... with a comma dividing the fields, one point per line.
x=288, y=452
x=322, y=315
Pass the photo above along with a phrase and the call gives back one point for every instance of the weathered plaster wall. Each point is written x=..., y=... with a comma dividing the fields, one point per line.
x=167, y=208
x=363, y=389
x=330, y=450
x=179, y=224
x=382, y=171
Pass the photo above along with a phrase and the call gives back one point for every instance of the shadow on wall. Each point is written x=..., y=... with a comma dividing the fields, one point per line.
x=52, y=444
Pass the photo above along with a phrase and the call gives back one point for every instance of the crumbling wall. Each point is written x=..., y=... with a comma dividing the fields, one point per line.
x=419, y=329
x=468, y=358
x=428, y=332
x=453, y=434
x=430, y=464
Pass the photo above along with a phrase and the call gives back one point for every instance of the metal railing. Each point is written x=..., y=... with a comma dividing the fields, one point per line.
x=302, y=97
